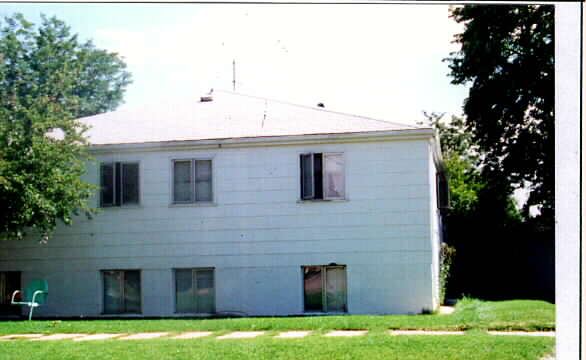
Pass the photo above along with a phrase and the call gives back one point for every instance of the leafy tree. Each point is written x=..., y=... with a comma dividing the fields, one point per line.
x=462, y=162
x=47, y=80
x=507, y=55
x=476, y=202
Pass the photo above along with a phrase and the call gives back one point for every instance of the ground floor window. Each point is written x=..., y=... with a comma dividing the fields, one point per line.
x=324, y=288
x=194, y=291
x=121, y=291
x=9, y=282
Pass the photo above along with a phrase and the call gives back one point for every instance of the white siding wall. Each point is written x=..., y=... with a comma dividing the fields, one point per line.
x=435, y=233
x=257, y=235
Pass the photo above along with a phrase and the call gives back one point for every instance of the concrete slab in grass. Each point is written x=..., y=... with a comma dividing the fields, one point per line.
x=193, y=334
x=446, y=310
x=98, y=337
x=424, y=332
x=58, y=337
x=347, y=333
x=143, y=336
x=241, y=335
x=19, y=336
x=524, y=333
x=292, y=334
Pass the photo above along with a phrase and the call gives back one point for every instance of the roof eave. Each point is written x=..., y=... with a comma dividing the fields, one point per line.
x=370, y=136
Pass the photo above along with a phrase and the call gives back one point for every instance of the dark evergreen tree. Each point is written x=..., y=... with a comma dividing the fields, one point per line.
x=507, y=56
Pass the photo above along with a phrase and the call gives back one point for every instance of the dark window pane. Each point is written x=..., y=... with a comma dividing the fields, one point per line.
x=194, y=291
x=318, y=175
x=312, y=288
x=132, y=291
x=182, y=186
x=443, y=191
x=184, y=299
x=9, y=282
x=307, y=190
x=112, y=292
x=117, y=184
x=205, y=279
x=130, y=183
x=107, y=185
x=203, y=180
x=205, y=291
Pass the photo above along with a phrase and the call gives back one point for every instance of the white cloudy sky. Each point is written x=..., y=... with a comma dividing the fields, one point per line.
x=383, y=61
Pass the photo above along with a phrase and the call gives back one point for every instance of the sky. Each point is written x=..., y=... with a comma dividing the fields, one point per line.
x=377, y=60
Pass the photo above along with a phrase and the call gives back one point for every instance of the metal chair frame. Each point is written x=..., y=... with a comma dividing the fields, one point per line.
x=31, y=304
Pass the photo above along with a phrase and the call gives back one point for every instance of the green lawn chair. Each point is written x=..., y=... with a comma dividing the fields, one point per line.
x=35, y=295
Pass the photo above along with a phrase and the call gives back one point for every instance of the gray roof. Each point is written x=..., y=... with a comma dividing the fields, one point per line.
x=228, y=116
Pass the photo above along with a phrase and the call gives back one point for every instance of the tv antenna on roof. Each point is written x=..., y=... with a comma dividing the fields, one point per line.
x=233, y=75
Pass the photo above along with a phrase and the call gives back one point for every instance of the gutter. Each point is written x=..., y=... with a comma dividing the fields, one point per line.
x=269, y=141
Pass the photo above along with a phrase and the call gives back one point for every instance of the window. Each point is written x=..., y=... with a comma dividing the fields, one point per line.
x=192, y=181
x=322, y=176
x=121, y=291
x=442, y=191
x=324, y=288
x=119, y=184
x=9, y=282
x=194, y=291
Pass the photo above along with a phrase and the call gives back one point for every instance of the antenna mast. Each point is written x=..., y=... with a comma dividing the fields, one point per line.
x=233, y=75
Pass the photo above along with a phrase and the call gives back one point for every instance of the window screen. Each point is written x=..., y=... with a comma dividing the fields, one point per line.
x=192, y=181
x=203, y=180
x=194, y=291
x=334, y=186
x=324, y=288
x=184, y=291
x=336, y=289
x=122, y=293
x=182, y=183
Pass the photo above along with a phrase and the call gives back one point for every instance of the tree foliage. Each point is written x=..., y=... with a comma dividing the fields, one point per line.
x=496, y=246
x=507, y=57
x=47, y=80
x=461, y=160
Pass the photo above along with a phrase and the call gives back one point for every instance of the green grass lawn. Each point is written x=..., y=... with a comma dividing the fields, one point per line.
x=376, y=345
x=470, y=314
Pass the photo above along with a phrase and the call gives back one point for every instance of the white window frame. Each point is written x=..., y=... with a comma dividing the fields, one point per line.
x=193, y=185
x=324, y=197
x=114, y=189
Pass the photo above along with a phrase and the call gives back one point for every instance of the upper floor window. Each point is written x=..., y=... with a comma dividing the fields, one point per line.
x=119, y=183
x=442, y=191
x=322, y=176
x=192, y=181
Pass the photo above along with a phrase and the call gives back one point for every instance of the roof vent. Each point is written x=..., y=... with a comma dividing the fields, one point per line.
x=321, y=105
x=207, y=97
